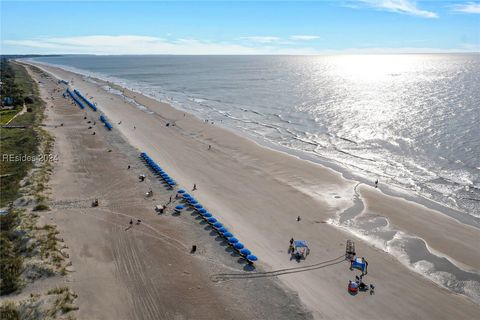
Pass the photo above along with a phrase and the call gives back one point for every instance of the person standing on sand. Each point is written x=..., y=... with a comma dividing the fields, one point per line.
x=194, y=187
x=376, y=183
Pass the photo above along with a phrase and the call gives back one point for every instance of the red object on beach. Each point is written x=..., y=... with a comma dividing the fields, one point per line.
x=353, y=287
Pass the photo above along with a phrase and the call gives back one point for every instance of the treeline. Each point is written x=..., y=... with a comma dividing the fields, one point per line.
x=11, y=93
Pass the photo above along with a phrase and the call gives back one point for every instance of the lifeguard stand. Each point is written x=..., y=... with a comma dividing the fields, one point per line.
x=350, y=250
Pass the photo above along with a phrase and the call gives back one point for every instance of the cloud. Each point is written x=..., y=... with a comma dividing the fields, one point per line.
x=303, y=37
x=400, y=6
x=135, y=44
x=262, y=39
x=469, y=7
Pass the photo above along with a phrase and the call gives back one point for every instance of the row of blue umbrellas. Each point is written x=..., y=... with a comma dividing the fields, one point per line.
x=155, y=167
x=104, y=120
x=91, y=105
x=218, y=226
x=80, y=104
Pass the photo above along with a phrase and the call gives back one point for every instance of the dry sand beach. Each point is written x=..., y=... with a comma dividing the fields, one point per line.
x=139, y=271
x=257, y=193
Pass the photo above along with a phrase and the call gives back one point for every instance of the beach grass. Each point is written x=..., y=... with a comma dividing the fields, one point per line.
x=7, y=115
x=11, y=261
x=19, y=142
x=9, y=311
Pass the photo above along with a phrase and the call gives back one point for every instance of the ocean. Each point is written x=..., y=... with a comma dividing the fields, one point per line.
x=410, y=121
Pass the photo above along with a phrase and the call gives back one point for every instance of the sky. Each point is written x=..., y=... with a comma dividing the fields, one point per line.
x=239, y=27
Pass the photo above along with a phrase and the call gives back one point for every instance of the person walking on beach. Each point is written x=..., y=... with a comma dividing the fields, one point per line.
x=376, y=183
x=170, y=201
x=194, y=187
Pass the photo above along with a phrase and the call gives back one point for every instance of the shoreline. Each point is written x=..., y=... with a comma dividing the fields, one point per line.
x=397, y=191
x=338, y=185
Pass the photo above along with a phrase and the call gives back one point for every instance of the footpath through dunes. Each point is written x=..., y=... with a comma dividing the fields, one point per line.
x=258, y=194
x=143, y=269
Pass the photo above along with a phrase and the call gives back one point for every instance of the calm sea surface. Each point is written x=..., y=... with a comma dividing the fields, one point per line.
x=409, y=120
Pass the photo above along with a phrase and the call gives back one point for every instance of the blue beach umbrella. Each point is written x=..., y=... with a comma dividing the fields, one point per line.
x=207, y=215
x=222, y=230
x=245, y=252
x=181, y=191
x=251, y=257
x=187, y=196
x=232, y=240
x=238, y=245
x=212, y=220
x=217, y=225
x=202, y=211
x=227, y=234
x=193, y=202
x=198, y=206
x=179, y=207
